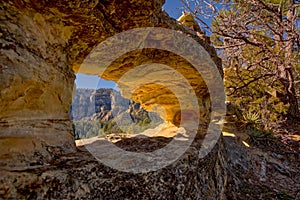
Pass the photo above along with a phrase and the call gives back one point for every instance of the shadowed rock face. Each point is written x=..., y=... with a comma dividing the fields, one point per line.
x=43, y=43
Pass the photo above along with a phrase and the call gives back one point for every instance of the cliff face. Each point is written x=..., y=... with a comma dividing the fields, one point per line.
x=102, y=104
x=43, y=43
x=93, y=111
x=87, y=102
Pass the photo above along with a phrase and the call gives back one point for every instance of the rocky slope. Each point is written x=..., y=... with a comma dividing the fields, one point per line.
x=81, y=176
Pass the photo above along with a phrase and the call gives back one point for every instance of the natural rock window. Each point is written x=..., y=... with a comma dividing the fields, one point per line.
x=43, y=46
x=103, y=111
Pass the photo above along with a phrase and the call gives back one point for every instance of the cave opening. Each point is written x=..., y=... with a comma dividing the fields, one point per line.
x=99, y=111
x=157, y=96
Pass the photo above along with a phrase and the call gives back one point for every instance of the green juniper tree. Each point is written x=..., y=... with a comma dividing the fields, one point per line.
x=259, y=42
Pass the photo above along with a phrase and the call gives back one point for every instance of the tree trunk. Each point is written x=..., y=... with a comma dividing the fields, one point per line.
x=286, y=78
x=286, y=72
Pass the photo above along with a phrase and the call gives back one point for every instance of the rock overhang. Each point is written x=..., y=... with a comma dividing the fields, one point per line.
x=44, y=43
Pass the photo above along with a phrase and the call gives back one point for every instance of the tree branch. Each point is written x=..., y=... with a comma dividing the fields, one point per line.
x=248, y=83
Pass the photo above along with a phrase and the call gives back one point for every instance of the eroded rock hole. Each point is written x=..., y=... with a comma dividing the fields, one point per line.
x=99, y=112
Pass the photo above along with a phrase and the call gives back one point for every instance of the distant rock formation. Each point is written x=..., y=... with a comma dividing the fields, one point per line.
x=105, y=104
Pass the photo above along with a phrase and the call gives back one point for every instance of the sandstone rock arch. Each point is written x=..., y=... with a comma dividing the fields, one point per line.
x=44, y=43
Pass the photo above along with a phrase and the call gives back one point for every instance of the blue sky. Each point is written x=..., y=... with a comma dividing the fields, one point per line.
x=172, y=7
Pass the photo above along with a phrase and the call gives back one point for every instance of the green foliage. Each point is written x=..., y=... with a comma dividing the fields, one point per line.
x=260, y=105
x=258, y=44
x=88, y=128
x=251, y=118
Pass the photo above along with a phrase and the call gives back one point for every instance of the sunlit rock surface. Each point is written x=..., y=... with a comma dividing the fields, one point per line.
x=42, y=44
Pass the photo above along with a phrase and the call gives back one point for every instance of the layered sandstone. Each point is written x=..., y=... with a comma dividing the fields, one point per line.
x=42, y=45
